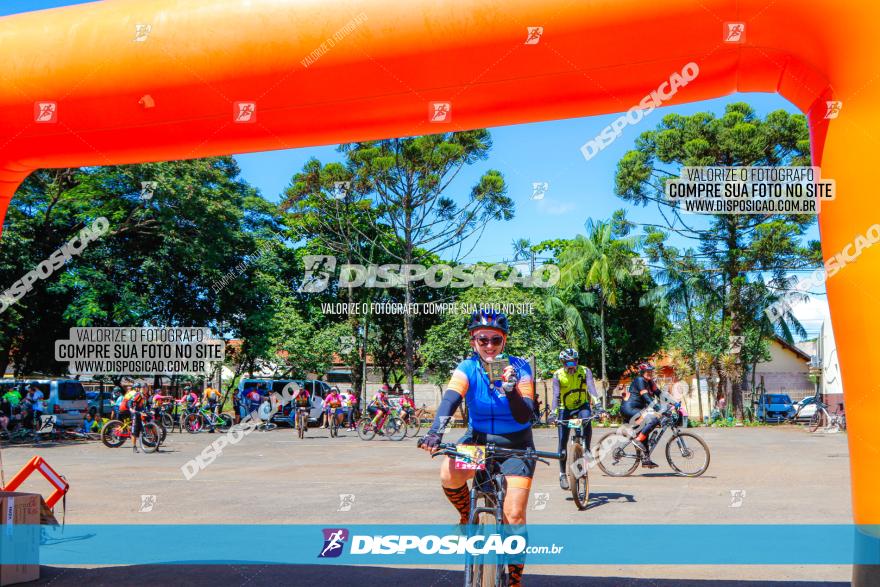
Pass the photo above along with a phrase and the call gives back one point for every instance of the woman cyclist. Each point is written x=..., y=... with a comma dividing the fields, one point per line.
x=302, y=402
x=498, y=412
x=379, y=406
x=635, y=408
x=333, y=407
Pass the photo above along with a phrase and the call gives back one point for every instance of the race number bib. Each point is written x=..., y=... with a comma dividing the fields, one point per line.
x=473, y=457
x=576, y=423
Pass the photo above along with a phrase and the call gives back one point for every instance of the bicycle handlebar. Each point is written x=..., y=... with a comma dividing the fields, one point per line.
x=493, y=450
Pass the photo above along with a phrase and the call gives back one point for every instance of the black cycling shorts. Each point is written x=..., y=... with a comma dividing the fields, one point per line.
x=512, y=466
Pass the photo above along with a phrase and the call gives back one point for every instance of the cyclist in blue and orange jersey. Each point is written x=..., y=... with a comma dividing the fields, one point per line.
x=635, y=408
x=499, y=412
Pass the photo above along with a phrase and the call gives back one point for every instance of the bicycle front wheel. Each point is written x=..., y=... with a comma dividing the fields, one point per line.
x=818, y=420
x=163, y=432
x=365, y=429
x=192, y=423
x=224, y=422
x=617, y=455
x=167, y=421
x=484, y=570
x=395, y=429
x=578, y=476
x=301, y=425
x=687, y=454
x=110, y=434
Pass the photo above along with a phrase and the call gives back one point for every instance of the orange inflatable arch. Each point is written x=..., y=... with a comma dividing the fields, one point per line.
x=151, y=80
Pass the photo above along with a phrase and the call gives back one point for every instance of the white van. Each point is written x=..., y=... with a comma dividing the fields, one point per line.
x=63, y=398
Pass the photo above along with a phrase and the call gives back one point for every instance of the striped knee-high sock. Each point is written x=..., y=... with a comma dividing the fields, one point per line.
x=461, y=499
x=515, y=572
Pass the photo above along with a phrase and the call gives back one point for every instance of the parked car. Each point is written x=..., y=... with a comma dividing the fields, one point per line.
x=65, y=399
x=805, y=408
x=317, y=390
x=774, y=407
x=92, y=398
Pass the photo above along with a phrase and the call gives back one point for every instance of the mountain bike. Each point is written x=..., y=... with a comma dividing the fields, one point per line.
x=488, y=489
x=114, y=433
x=302, y=421
x=822, y=418
x=22, y=434
x=575, y=465
x=686, y=453
x=203, y=417
x=334, y=421
x=389, y=426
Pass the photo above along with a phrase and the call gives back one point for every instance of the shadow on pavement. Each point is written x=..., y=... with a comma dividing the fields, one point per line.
x=600, y=499
x=324, y=576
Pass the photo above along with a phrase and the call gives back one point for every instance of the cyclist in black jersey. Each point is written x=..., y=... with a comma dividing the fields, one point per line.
x=636, y=408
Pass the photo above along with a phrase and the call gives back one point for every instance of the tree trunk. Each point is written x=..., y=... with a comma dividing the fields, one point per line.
x=687, y=305
x=602, y=329
x=4, y=360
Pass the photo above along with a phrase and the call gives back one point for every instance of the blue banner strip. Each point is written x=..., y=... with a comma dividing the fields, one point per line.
x=375, y=544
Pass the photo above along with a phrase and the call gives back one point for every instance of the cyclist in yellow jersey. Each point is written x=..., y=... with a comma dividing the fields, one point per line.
x=571, y=400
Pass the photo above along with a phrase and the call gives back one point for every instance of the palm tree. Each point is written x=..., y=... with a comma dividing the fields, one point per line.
x=682, y=286
x=598, y=263
x=522, y=250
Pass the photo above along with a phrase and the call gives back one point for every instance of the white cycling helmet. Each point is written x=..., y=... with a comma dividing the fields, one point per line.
x=568, y=355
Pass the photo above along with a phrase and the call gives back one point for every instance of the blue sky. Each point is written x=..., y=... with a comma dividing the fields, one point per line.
x=525, y=154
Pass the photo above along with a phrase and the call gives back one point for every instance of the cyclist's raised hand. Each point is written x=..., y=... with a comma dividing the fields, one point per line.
x=510, y=378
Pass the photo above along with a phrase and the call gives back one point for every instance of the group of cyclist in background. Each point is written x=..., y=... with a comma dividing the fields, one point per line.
x=21, y=407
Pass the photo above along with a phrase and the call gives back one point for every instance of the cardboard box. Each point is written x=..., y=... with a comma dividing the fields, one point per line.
x=20, y=517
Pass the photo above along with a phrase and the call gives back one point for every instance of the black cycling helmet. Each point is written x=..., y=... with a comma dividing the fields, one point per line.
x=489, y=319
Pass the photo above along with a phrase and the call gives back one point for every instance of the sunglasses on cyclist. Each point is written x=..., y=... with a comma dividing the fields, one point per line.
x=486, y=340
x=571, y=364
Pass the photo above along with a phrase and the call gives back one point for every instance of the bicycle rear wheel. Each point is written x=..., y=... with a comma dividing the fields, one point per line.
x=413, y=425
x=365, y=429
x=167, y=421
x=578, y=475
x=617, y=455
x=150, y=437
x=110, y=434
x=818, y=420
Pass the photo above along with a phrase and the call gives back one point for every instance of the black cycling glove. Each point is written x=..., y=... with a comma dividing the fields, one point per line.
x=431, y=440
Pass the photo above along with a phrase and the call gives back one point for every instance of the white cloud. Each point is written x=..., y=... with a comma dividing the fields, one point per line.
x=555, y=208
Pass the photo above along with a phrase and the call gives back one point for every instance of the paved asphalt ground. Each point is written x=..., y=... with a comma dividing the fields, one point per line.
x=788, y=475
